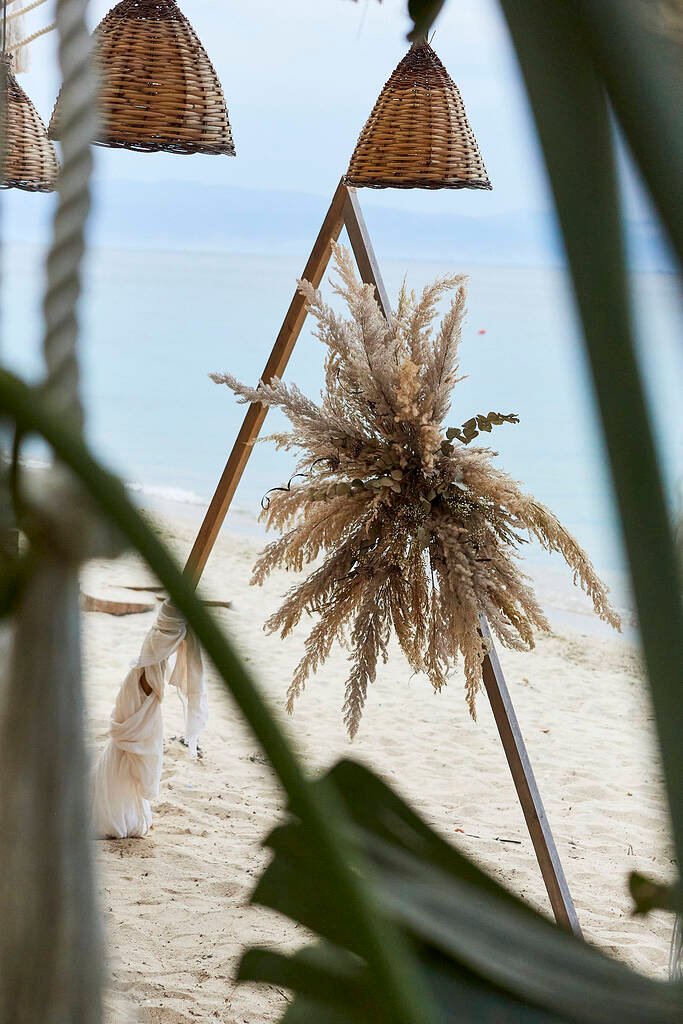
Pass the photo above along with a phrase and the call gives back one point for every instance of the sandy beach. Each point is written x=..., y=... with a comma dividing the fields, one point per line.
x=175, y=903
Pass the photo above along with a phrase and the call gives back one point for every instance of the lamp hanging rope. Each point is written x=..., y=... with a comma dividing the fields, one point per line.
x=16, y=47
x=25, y=10
x=12, y=33
x=418, y=135
x=158, y=89
x=16, y=41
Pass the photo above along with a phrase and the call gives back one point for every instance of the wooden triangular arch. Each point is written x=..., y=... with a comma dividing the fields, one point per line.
x=345, y=211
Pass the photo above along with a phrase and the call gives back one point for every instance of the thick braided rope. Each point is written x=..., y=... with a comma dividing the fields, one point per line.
x=64, y=259
x=50, y=947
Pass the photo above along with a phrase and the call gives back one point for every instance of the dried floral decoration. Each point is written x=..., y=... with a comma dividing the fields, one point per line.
x=419, y=531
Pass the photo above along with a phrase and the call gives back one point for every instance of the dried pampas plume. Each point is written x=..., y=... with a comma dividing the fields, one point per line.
x=419, y=532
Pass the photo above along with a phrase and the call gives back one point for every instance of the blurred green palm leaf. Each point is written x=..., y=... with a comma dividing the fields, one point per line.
x=560, y=60
x=637, y=45
x=397, y=913
x=484, y=954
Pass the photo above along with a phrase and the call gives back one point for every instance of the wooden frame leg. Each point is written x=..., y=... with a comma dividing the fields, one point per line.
x=345, y=210
x=527, y=790
x=494, y=680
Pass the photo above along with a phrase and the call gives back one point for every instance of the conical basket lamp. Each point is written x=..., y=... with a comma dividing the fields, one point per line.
x=158, y=89
x=418, y=135
x=28, y=160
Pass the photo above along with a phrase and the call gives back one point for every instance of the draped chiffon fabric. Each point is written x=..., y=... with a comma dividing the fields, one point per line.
x=128, y=771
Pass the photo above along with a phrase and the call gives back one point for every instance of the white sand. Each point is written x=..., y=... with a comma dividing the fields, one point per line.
x=175, y=903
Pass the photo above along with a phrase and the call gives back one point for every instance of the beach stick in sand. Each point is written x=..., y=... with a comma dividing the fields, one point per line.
x=345, y=211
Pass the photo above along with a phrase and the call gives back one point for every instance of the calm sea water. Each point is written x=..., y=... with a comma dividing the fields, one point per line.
x=155, y=324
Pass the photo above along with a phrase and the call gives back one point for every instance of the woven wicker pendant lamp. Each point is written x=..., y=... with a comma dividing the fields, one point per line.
x=29, y=161
x=418, y=135
x=158, y=89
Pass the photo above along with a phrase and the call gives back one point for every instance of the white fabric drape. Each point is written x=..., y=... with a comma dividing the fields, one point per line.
x=128, y=771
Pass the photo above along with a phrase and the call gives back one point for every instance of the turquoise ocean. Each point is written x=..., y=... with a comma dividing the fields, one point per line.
x=156, y=323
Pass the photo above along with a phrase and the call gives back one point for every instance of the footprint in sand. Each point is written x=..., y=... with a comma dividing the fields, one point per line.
x=129, y=847
x=166, y=807
x=164, y=1015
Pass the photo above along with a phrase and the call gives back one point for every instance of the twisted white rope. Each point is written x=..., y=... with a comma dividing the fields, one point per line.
x=50, y=951
x=78, y=126
x=29, y=39
x=12, y=33
x=25, y=10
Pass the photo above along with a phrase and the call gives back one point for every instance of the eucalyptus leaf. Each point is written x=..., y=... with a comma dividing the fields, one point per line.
x=470, y=429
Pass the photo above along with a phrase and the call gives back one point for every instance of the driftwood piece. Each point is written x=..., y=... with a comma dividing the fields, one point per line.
x=111, y=606
x=161, y=595
x=114, y=602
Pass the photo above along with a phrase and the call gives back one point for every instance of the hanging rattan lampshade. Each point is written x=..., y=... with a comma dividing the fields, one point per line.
x=418, y=135
x=158, y=88
x=29, y=161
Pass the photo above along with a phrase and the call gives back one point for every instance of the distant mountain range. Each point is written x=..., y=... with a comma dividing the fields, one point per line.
x=176, y=215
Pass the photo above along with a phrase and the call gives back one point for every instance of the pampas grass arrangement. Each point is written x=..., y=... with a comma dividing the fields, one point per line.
x=420, y=534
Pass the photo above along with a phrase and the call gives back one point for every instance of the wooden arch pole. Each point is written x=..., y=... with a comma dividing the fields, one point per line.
x=275, y=367
x=345, y=211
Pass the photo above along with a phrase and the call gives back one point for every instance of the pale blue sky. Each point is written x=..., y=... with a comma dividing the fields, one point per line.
x=300, y=77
